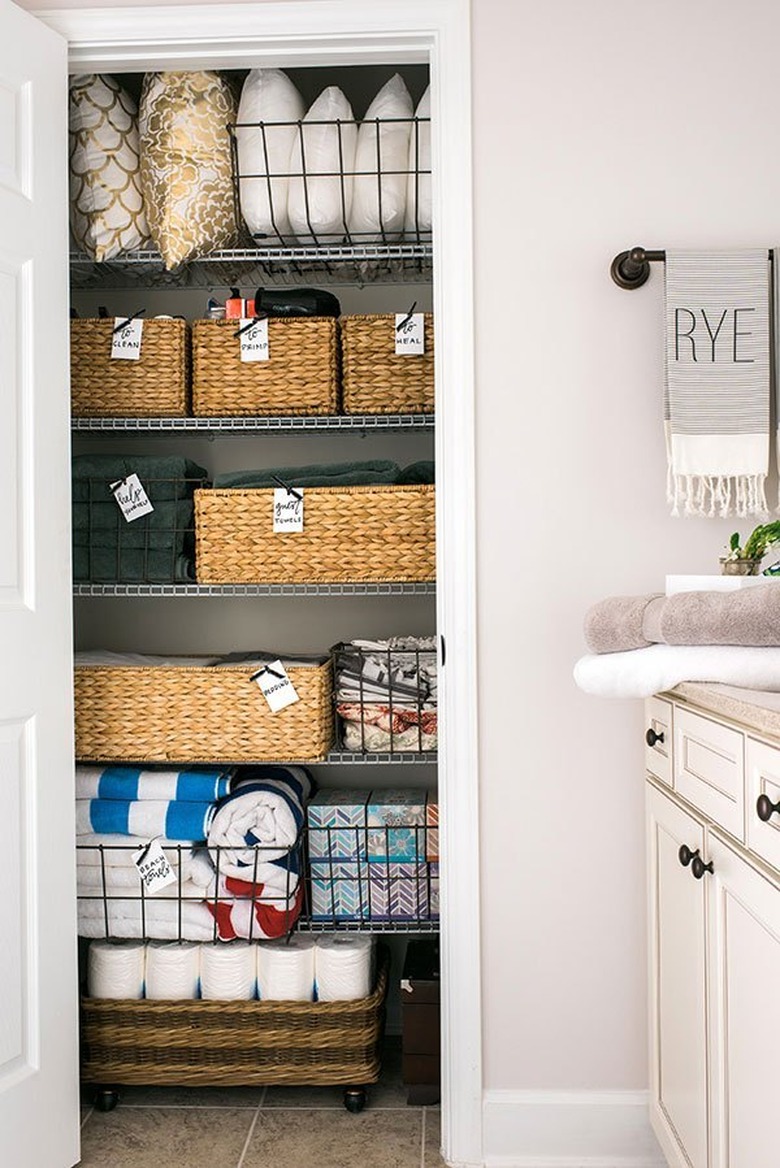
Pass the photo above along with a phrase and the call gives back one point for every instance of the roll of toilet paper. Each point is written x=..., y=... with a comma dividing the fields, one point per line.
x=116, y=969
x=172, y=970
x=285, y=970
x=343, y=967
x=228, y=971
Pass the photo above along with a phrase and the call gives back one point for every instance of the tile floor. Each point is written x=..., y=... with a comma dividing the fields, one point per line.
x=271, y=1127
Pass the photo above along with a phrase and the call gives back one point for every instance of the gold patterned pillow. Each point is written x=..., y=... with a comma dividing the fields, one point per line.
x=186, y=163
x=106, y=206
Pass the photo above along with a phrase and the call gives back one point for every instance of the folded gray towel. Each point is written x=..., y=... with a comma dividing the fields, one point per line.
x=615, y=624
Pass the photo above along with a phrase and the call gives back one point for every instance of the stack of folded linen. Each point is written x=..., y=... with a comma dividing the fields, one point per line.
x=641, y=645
x=386, y=694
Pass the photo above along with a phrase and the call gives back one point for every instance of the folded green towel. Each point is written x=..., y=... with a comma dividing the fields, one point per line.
x=163, y=479
x=417, y=473
x=132, y=566
x=343, y=474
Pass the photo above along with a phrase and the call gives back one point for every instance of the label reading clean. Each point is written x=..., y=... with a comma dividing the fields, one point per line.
x=254, y=340
x=277, y=688
x=409, y=334
x=131, y=497
x=153, y=867
x=126, y=339
x=288, y=509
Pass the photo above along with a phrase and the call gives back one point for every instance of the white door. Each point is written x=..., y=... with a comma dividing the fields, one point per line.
x=745, y=976
x=678, y=1006
x=38, y=987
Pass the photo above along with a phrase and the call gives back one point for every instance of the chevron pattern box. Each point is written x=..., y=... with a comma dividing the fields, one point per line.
x=433, y=871
x=394, y=819
x=339, y=891
x=337, y=824
x=399, y=892
x=432, y=834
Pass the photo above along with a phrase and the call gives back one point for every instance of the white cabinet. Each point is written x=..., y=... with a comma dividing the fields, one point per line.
x=714, y=950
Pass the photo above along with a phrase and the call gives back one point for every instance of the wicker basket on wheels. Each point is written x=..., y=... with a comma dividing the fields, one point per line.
x=207, y=1043
x=156, y=385
x=376, y=379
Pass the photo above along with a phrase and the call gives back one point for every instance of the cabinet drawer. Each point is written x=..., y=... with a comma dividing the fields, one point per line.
x=709, y=769
x=658, y=739
x=762, y=764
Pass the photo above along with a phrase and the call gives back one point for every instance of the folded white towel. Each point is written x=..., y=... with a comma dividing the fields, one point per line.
x=285, y=970
x=342, y=966
x=116, y=969
x=228, y=971
x=172, y=970
x=159, y=916
x=640, y=673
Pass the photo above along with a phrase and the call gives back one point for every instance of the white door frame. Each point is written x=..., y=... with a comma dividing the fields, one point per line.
x=343, y=32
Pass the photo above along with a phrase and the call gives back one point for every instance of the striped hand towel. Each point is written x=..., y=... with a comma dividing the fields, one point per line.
x=716, y=406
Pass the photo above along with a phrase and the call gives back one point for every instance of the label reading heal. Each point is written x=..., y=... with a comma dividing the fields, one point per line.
x=254, y=340
x=153, y=867
x=126, y=339
x=131, y=497
x=288, y=509
x=409, y=334
x=277, y=688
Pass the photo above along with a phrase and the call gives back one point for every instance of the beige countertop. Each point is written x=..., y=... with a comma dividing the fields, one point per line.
x=755, y=709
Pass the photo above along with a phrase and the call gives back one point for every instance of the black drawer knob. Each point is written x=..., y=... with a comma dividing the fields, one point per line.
x=765, y=808
x=698, y=867
x=685, y=855
x=651, y=737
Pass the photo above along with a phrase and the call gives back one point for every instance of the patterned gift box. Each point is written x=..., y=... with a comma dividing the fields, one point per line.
x=337, y=824
x=339, y=891
x=396, y=826
x=399, y=892
x=432, y=834
x=433, y=872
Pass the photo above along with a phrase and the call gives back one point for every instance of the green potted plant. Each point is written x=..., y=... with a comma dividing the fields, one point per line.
x=746, y=560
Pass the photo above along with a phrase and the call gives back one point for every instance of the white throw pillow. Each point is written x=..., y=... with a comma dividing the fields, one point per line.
x=106, y=206
x=268, y=95
x=419, y=215
x=371, y=218
x=319, y=206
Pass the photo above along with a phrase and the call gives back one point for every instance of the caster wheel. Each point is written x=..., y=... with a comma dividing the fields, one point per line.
x=355, y=1099
x=106, y=1099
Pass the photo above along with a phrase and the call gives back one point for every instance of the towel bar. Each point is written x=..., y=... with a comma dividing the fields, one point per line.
x=630, y=269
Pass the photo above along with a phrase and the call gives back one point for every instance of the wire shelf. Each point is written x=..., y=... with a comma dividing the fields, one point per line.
x=237, y=427
x=396, y=758
x=226, y=591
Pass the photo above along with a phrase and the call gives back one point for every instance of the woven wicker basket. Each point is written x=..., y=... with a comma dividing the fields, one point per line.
x=301, y=375
x=190, y=714
x=205, y=1042
x=156, y=385
x=378, y=381
x=351, y=534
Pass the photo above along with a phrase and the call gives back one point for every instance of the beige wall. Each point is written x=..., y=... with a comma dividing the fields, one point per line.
x=596, y=126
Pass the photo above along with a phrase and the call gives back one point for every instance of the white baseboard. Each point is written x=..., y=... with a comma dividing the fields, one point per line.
x=569, y=1129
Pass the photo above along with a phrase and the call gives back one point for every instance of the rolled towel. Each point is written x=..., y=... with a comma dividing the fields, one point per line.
x=116, y=969
x=131, y=783
x=343, y=967
x=614, y=625
x=228, y=973
x=285, y=970
x=172, y=970
x=747, y=616
x=261, y=817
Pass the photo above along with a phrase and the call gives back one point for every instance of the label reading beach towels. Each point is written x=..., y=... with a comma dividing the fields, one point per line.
x=126, y=339
x=153, y=867
x=277, y=688
x=253, y=335
x=131, y=497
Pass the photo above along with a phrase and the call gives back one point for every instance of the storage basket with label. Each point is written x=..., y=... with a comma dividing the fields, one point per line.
x=350, y=534
x=298, y=372
x=135, y=712
x=156, y=384
x=376, y=378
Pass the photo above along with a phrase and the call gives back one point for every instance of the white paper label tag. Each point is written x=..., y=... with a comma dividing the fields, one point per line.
x=153, y=867
x=131, y=497
x=288, y=509
x=254, y=340
x=126, y=341
x=277, y=688
x=409, y=334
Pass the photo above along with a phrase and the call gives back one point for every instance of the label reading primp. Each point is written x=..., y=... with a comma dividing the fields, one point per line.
x=131, y=497
x=409, y=334
x=254, y=340
x=126, y=339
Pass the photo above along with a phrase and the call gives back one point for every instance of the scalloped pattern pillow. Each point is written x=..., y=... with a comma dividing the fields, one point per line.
x=106, y=205
x=186, y=163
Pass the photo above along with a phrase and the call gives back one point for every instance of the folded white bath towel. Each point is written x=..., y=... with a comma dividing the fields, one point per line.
x=159, y=916
x=640, y=673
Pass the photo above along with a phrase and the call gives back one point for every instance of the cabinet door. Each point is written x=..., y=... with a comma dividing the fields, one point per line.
x=744, y=964
x=677, y=985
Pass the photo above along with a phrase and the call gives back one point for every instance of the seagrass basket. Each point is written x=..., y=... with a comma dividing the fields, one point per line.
x=207, y=1042
x=156, y=385
x=301, y=375
x=376, y=380
x=177, y=713
x=351, y=534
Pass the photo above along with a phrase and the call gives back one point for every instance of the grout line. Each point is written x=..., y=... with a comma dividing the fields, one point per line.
x=422, y=1149
x=189, y=1107
x=250, y=1133
x=86, y=1117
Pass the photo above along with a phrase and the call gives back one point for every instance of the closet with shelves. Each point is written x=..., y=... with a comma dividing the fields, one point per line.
x=286, y=617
